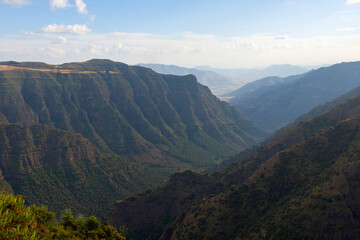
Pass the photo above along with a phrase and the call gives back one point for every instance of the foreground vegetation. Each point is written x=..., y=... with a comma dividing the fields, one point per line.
x=18, y=221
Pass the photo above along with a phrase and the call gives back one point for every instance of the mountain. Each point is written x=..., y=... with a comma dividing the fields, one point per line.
x=216, y=82
x=243, y=75
x=308, y=191
x=259, y=87
x=329, y=105
x=302, y=184
x=165, y=122
x=64, y=170
x=277, y=108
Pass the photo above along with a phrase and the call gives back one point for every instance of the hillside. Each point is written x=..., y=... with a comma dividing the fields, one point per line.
x=259, y=87
x=279, y=107
x=308, y=191
x=149, y=213
x=163, y=121
x=64, y=170
x=302, y=184
x=329, y=105
x=216, y=82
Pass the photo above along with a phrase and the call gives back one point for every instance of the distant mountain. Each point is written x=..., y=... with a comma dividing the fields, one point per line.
x=64, y=170
x=302, y=184
x=216, y=82
x=329, y=105
x=242, y=75
x=277, y=108
x=259, y=87
x=166, y=122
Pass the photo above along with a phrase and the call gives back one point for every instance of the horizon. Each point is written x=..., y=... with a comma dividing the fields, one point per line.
x=233, y=34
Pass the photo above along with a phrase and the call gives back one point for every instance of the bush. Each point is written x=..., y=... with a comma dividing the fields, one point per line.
x=18, y=221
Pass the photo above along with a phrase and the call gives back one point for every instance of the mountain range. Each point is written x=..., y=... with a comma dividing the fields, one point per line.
x=81, y=135
x=302, y=184
x=273, y=107
x=164, y=121
x=243, y=75
x=258, y=87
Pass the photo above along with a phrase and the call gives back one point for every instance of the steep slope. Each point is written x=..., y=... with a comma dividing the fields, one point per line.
x=259, y=87
x=328, y=106
x=302, y=184
x=152, y=211
x=167, y=122
x=308, y=191
x=275, y=109
x=64, y=170
x=216, y=82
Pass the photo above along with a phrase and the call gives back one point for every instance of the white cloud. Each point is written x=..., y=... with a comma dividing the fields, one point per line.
x=116, y=34
x=97, y=50
x=347, y=29
x=60, y=40
x=55, y=52
x=71, y=29
x=348, y=2
x=228, y=52
x=16, y=3
x=282, y=37
x=59, y=4
x=81, y=7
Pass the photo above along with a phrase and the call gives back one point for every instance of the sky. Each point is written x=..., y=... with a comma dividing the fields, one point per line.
x=216, y=33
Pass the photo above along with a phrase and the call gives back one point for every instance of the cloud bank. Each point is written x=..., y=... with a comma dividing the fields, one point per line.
x=181, y=49
x=70, y=29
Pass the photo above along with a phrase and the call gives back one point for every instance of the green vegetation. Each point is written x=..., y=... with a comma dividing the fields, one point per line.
x=165, y=122
x=63, y=170
x=302, y=184
x=83, y=135
x=18, y=221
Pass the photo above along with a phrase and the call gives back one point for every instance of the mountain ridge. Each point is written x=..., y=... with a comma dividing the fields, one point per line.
x=304, y=172
x=279, y=107
x=166, y=122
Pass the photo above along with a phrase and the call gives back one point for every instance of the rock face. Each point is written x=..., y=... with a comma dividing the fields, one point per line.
x=64, y=170
x=302, y=184
x=166, y=122
x=279, y=107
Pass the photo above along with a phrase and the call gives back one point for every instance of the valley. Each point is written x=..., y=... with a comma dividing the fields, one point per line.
x=104, y=138
x=179, y=120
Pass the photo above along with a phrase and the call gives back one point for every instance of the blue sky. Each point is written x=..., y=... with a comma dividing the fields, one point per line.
x=226, y=33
